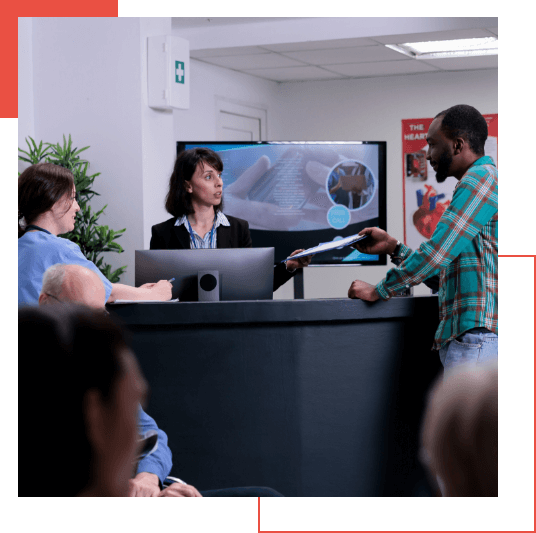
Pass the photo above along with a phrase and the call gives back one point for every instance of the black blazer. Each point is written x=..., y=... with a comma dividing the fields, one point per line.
x=167, y=236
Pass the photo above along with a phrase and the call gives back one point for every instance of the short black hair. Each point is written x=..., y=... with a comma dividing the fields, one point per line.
x=178, y=201
x=467, y=122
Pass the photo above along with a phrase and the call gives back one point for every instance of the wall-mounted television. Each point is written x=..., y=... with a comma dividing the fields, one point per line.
x=299, y=194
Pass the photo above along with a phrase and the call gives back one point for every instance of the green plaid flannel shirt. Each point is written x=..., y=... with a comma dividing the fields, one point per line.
x=463, y=250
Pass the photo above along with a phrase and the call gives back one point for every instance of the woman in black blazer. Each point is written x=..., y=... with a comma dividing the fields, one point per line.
x=195, y=201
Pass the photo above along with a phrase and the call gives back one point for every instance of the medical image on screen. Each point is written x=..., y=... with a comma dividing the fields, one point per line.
x=299, y=194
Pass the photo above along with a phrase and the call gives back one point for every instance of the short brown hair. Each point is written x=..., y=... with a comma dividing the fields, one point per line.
x=178, y=201
x=40, y=187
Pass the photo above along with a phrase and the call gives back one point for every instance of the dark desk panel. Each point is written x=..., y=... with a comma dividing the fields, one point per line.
x=310, y=397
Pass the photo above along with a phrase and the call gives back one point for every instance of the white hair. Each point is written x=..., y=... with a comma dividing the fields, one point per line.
x=53, y=279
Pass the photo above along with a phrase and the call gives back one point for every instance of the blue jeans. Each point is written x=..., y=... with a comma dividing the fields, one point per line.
x=474, y=347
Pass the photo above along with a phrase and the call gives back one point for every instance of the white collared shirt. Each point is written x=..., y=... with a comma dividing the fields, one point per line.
x=206, y=242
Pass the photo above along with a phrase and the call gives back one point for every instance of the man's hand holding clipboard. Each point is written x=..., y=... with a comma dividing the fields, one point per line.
x=326, y=246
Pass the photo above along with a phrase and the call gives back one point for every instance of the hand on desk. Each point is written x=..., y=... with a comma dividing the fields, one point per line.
x=301, y=262
x=160, y=290
x=180, y=490
x=363, y=291
x=144, y=484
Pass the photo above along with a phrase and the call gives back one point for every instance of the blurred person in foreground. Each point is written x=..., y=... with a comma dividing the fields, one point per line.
x=463, y=249
x=77, y=284
x=78, y=408
x=460, y=432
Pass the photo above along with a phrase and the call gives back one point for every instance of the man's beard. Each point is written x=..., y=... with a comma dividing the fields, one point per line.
x=443, y=166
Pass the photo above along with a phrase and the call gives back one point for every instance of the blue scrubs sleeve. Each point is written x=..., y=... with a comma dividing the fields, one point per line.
x=37, y=251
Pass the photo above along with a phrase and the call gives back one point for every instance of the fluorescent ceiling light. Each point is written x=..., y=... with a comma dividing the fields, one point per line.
x=453, y=48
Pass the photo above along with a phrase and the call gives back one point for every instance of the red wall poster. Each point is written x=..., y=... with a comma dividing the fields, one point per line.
x=425, y=200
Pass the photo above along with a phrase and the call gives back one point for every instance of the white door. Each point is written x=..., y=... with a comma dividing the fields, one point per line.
x=239, y=127
x=239, y=122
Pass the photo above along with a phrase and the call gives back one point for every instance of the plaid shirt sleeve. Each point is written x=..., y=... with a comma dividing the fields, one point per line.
x=474, y=204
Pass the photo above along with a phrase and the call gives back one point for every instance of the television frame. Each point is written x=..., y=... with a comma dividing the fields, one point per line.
x=382, y=196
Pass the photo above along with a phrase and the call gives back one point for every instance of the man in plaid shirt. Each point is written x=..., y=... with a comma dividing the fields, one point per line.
x=463, y=248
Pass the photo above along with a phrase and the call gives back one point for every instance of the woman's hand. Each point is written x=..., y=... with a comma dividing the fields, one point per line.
x=161, y=290
x=300, y=262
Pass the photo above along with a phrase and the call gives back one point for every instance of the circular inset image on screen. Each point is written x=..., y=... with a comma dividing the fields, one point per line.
x=351, y=183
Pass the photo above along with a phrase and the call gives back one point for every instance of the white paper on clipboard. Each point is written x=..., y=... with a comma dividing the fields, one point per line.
x=325, y=246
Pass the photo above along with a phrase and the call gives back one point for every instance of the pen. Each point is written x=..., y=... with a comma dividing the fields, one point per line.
x=172, y=279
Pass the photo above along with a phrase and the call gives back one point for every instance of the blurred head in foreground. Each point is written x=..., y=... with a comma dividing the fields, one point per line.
x=78, y=408
x=460, y=432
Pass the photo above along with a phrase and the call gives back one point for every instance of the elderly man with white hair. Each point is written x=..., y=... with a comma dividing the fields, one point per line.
x=74, y=284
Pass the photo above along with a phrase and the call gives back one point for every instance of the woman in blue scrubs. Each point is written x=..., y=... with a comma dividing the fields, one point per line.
x=47, y=208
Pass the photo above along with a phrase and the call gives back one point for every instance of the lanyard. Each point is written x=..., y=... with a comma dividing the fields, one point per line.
x=192, y=237
x=37, y=227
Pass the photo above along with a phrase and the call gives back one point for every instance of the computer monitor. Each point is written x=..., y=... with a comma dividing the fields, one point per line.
x=301, y=193
x=244, y=273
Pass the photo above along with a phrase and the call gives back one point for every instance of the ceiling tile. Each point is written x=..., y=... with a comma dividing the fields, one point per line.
x=246, y=62
x=319, y=45
x=357, y=54
x=464, y=63
x=295, y=74
x=382, y=68
x=432, y=36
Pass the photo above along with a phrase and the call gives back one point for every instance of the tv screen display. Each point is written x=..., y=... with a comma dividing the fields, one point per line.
x=300, y=194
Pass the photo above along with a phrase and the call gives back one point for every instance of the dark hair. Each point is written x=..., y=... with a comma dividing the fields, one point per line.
x=178, y=201
x=66, y=350
x=467, y=122
x=40, y=187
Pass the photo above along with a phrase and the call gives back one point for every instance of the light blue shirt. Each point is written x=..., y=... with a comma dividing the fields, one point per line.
x=39, y=250
x=206, y=242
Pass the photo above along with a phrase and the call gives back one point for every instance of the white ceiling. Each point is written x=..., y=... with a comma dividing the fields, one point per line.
x=359, y=57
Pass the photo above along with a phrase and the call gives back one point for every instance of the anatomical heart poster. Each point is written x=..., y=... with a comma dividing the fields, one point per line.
x=425, y=200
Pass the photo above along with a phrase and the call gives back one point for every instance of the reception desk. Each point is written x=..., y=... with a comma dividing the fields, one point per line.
x=309, y=397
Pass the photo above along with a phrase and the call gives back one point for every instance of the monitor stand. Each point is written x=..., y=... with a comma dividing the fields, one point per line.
x=298, y=284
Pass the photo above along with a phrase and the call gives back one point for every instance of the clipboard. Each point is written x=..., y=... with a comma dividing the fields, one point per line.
x=326, y=246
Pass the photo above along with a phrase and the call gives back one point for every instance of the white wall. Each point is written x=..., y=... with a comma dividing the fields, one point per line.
x=95, y=89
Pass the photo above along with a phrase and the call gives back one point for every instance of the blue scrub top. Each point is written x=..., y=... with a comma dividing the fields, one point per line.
x=39, y=250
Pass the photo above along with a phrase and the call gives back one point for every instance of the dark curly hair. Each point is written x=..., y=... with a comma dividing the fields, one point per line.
x=466, y=122
x=178, y=201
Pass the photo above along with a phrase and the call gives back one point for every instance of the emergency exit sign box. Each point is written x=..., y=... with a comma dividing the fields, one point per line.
x=168, y=72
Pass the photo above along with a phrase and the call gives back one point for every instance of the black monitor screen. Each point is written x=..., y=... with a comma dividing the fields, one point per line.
x=300, y=194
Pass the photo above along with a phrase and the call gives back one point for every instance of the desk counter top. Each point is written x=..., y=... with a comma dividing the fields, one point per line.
x=271, y=311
